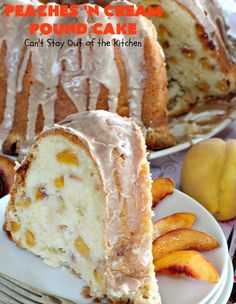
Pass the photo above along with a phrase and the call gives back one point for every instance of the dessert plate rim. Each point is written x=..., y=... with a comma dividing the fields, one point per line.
x=222, y=295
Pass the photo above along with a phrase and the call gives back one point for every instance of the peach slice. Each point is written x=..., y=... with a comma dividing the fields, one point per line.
x=81, y=246
x=40, y=193
x=68, y=157
x=161, y=187
x=25, y=203
x=59, y=182
x=190, y=263
x=30, y=238
x=14, y=226
x=173, y=222
x=182, y=239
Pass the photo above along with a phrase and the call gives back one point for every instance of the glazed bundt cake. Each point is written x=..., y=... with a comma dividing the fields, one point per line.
x=42, y=85
x=82, y=199
x=198, y=52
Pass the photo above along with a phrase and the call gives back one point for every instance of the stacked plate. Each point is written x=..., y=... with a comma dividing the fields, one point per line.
x=30, y=269
x=185, y=290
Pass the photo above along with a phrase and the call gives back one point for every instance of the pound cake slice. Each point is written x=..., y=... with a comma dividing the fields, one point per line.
x=199, y=54
x=82, y=199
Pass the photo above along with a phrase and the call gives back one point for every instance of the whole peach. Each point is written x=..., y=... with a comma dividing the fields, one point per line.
x=209, y=176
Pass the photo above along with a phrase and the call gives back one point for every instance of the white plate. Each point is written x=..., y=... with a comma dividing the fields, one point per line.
x=30, y=269
x=200, y=124
x=224, y=297
x=223, y=293
x=185, y=290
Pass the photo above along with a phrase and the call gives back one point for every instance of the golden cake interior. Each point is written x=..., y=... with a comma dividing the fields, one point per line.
x=60, y=202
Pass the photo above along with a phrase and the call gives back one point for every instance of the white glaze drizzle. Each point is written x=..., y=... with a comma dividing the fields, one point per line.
x=45, y=74
x=22, y=71
x=14, y=47
x=75, y=75
x=134, y=57
x=105, y=69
